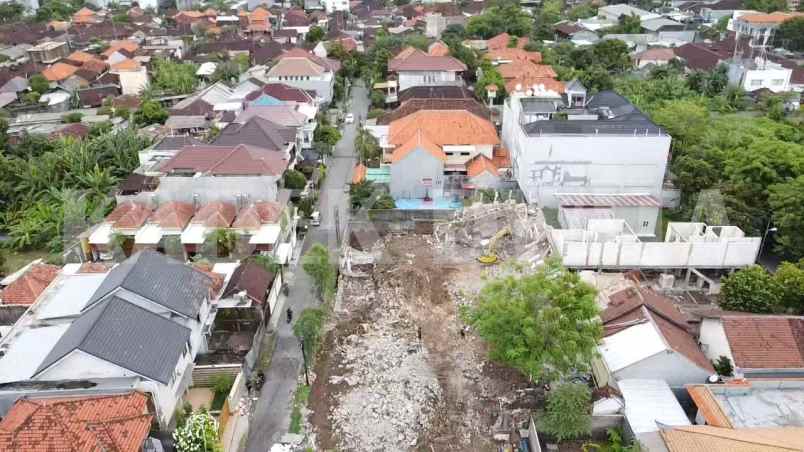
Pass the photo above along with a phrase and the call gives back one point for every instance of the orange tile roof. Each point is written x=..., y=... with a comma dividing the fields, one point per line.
x=95, y=267
x=418, y=141
x=438, y=48
x=118, y=423
x=127, y=65
x=215, y=215
x=527, y=82
x=501, y=158
x=94, y=65
x=765, y=342
x=359, y=173
x=84, y=12
x=114, y=46
x=260, y=14
x=129, y=215
x=27, y=288
x=771, y=18
x=173, y=215
x=525, y=69
x=708, y=406
x=513, y=54
x=443, y=127
x=480, y=164
x=705, y=438
x=58, y=72
x=257, y=214
x=80, y=57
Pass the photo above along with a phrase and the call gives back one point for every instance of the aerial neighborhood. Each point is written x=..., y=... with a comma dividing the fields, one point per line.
x=401, y=225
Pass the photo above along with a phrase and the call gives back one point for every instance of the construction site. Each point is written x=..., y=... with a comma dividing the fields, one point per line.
x=398, y=369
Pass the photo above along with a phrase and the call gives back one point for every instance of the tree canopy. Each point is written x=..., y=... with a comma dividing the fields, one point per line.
x=173, y=77
x=751, y=289
x=568, y=411
x=503, y=16
x=318, y=264
x=544, y=324
x=790, y=34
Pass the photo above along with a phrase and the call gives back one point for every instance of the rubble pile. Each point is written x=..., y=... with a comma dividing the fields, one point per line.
x=391, y=390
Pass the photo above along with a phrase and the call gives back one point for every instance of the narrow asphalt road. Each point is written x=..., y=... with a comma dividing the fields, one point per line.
x=272, y=411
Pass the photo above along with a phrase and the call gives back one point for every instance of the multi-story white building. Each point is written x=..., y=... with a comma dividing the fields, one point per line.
x=605, y=146
x=335, y=5
x=752, y=75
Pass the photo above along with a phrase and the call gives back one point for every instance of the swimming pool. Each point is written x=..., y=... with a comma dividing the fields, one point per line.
x=433, y=204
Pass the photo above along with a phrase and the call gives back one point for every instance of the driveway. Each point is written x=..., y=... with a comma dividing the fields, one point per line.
x=271, y=416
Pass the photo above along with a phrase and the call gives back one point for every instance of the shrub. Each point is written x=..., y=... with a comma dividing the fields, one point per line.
x=72, y=118
x=567, y=415
x=750, y=289
x=294, y=180
x=723, y=366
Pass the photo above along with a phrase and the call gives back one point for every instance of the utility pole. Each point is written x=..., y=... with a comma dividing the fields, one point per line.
x=338, y=225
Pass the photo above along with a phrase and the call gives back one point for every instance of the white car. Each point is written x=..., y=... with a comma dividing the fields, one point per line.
x=349, y=118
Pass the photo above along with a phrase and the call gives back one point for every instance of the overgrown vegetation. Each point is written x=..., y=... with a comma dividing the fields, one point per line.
x=172, y=77
x=568, y=411
x=544, y=323
x=300, y=398
x=51, y=190
x=319, y=265
x=753, y=289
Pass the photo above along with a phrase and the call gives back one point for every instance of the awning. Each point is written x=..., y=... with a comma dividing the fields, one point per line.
x=101, y=235
x=194, y=234
x=283, y=253
x=150, y=234
x=266, y=234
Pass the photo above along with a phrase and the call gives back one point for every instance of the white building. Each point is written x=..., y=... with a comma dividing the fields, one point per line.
x=605, y=148
x=335, y=5
x=752, y=75
x=137, y=327
x=416, y=68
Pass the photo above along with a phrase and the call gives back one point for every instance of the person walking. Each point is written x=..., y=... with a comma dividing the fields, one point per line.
x=290, y=315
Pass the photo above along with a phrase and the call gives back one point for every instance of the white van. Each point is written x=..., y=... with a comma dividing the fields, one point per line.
x=315, y=218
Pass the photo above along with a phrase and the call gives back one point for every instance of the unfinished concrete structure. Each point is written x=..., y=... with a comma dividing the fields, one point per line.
x=611, y=244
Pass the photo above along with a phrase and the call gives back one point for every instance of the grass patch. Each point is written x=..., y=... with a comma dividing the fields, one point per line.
x=18, y=259
x=299, y=400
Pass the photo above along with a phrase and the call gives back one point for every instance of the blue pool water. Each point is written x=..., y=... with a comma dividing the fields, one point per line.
x=435, y=204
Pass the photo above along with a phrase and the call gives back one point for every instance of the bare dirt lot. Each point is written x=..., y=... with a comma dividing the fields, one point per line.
x=378, y=387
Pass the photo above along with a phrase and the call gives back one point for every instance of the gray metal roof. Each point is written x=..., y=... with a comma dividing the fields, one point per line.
x=161, y=279
x=127, y=335
x=257, y=131
x=624, y=119
x=534, y=105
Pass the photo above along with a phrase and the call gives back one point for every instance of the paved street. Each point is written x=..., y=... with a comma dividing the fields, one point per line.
x=272, y=411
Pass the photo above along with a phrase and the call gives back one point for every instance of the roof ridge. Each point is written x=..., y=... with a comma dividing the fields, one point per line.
x=722, y=433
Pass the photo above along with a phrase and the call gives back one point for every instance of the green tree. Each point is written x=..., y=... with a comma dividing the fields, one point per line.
x=318, y=264
x=626, y=24
x=226, y=72
x=785, y=200
x=173, y=77
x=490, y=76
x=367, y=147
x=583, y=11
x=315, y=35
x=568, y=411
x=39, y=84
x=790, y=277
x=11, y=12
x=71, y=118
x=198, y=434
x=767, y=6
x=384, y=201
x=308, y=328
x=269, y=263
x=222, y=241
x=503, y=16
x=544, y=324
x=294, y=180
x=790, y=35
x=151, y=112
x=327, y=135
x=723, y=366
x=750, y=289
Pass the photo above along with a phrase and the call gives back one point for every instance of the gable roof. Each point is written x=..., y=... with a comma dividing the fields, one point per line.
x=705, y=438
x=762, y=341
x=412, y=106
x=129, y=215
x=159, y=278
x=27, y=288
x=411, y=59
x=173, y=215
x=251, y=277
x=284, y=115
x=418, y=141
x=480, y=164
x=257, y=132
x=241, y=159
x=443, y=127
x=215, y=214
x=283, y=92
x=295, y=67
x=513, y=54
x=110, y=422
x=438, y=48
x=658, y=54
x=58, y=72
x=124, y=334
x=632, y=306
x=326, y=63
x=257, y=214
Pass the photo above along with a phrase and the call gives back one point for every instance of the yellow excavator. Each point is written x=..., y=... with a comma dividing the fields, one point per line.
x=491, y=251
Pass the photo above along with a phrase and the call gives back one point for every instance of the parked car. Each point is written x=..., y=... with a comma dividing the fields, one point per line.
x=349, y=118
x=315, y=218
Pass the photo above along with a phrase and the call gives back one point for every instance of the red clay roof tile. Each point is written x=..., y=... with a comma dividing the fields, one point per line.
x=27, y=288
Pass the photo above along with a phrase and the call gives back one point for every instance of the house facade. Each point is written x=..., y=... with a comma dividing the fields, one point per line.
x=414, y=67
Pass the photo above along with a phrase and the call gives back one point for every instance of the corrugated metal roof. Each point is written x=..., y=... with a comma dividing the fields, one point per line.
x=648, y=402
x=607, y=200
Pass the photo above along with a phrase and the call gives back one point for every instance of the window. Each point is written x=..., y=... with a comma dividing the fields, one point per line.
x=464, y=153
x=645, y=224
x=756, y=82
x=777, y=82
